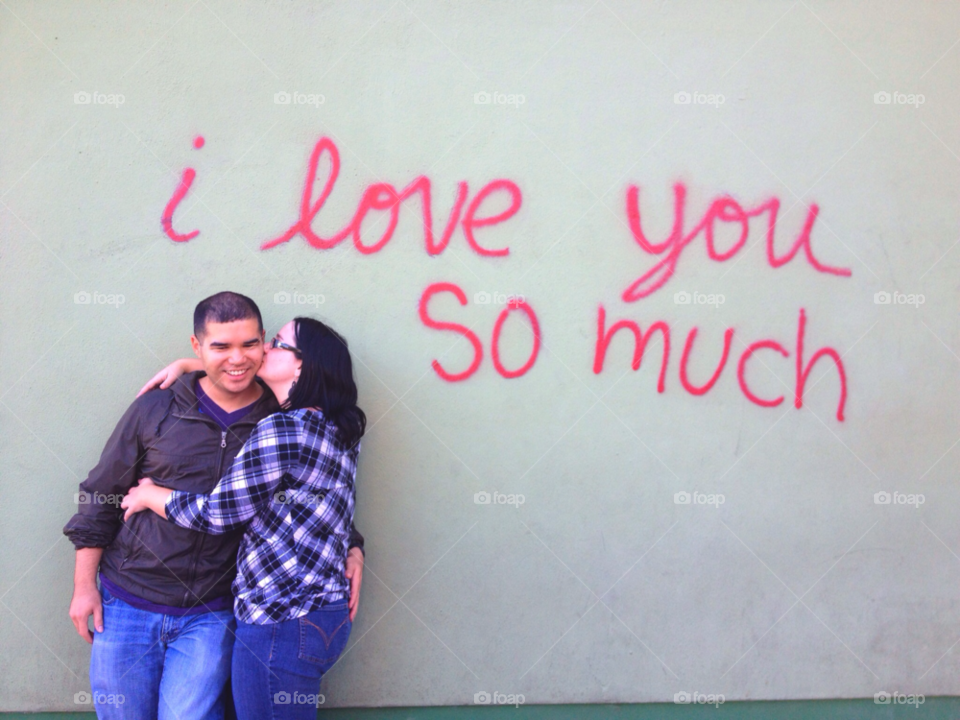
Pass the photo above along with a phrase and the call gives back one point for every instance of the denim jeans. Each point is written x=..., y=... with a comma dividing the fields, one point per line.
x=277, y=667
x=146, y=665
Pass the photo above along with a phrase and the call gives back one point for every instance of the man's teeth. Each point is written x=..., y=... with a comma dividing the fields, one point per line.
x=236, y=373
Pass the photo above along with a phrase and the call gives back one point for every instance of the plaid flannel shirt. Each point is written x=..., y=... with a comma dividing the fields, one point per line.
x=293, y=482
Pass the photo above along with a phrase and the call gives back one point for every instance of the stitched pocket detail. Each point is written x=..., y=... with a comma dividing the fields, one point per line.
x=324, y=642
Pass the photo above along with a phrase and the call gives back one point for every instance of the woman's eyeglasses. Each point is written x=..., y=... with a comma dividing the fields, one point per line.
x=278, y=343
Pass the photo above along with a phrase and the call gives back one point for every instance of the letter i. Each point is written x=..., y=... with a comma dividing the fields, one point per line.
x=182, y=189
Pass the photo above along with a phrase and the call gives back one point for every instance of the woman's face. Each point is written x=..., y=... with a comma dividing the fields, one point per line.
x=279, y=364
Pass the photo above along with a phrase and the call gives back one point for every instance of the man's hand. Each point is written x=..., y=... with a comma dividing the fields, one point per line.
x=86, y=597
x=354, y=574
x=86, y=602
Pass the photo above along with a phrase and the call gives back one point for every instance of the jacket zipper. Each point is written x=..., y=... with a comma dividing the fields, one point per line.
x=199, y=550
x=191, y=414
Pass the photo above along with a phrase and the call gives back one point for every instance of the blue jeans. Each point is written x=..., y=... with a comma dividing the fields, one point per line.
x=146, y=665
x=277, y=667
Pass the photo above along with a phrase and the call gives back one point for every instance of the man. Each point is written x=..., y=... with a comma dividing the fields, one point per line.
x=163, y=615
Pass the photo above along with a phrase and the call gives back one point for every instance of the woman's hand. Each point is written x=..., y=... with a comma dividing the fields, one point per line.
x=145, y=496
x=354, y=573
x=166, y=377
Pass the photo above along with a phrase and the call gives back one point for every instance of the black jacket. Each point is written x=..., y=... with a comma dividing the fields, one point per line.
x=164, y=436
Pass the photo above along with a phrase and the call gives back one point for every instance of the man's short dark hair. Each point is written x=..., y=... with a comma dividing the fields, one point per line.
x=224, y=307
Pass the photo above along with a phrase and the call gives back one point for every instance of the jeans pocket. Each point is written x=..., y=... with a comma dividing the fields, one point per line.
x=324, y=634
x=106, y=598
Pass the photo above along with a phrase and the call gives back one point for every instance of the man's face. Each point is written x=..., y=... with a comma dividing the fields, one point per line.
x=231, y=353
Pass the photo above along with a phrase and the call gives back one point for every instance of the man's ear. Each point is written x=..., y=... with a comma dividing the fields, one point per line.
x=196, y=345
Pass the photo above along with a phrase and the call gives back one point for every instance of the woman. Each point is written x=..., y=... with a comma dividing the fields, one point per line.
x=292, y=486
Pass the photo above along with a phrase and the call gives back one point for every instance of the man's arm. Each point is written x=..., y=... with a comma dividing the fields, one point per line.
x=86, y=597
x=97, y=520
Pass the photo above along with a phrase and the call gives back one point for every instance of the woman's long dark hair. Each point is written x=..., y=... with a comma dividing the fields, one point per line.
x=326, y=379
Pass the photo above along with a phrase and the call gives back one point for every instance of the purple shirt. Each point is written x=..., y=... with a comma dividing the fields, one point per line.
x=221, y=603
x=223, y=418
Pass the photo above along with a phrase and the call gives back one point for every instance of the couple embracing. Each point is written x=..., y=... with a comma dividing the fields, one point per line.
x=216, y=551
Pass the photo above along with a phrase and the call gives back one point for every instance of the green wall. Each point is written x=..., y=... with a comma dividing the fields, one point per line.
x=611, y=582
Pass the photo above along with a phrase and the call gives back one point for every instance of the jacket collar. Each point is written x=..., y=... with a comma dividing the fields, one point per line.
x=188, y=406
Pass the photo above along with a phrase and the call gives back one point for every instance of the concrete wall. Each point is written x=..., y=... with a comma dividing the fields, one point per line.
x=601, y=586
